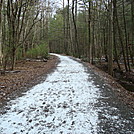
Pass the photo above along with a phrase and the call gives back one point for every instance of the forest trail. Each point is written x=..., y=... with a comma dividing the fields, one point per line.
x=72, y=100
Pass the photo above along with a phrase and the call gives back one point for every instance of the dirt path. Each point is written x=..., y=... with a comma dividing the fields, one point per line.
x=72, y=100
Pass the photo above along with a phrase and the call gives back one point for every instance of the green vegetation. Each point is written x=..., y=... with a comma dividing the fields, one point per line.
x=23, y=30
x=38, y=51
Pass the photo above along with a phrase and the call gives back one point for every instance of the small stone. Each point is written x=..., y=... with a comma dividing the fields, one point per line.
x=46, y=110
x=30, y=120
x=73, y=122
x=64, y=122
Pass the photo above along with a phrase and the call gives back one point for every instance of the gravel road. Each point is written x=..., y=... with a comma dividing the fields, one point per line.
x=72, y=100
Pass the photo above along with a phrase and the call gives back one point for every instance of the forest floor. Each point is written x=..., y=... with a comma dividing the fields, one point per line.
x=125, y=95
x=126, y=79
x=72, y=99
x=27, y=74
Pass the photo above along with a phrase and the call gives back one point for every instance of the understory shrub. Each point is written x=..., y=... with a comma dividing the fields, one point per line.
x=38, y=51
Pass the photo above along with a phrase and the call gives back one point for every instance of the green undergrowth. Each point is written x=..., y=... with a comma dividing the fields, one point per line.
x=40, y=51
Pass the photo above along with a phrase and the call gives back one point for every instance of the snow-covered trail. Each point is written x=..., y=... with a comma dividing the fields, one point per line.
x=69, y=101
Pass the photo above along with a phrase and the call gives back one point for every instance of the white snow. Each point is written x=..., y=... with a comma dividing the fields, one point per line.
x=62, y=104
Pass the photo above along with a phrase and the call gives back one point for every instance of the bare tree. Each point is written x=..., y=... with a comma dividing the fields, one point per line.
x=1, y=55
x=77, y=52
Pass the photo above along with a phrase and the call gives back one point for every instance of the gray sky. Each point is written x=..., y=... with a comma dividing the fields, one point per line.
x=60, y=2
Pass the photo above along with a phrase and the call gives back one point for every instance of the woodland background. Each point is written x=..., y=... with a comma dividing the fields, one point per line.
x=97, y=31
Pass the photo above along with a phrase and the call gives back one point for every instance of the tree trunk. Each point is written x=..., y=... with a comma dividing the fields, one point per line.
x=64, y=28
x=93, y=37
x=13, y=58
x=77, y=52
x=1, y=55
x=126, y=37
x=132, y=29
x=120, y=34
x=114, y=39
x=89, y=32
x=67, y=30
x=110, y=58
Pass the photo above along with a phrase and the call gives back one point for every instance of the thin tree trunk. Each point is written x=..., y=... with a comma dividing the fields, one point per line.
x=126, y=38
x=114, y=39
x=120, y=34
x=64, y=24
x=110, y=49
x=89, y=31
x=77, y=52
x=67, y=31
x=1, y=55
x=93, y=37
x=132, y=29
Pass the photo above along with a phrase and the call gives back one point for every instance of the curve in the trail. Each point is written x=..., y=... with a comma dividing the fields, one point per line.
x=72, y=100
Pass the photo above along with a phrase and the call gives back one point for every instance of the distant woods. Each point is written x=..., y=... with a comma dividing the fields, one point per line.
x=95, y=31
x=23, y=27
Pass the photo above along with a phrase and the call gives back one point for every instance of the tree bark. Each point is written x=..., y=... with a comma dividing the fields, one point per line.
x=89, y=32
x=126, y=36
x=132, y=29
x=77, y=52
x=110, y=58
x=114, y=39
x=64, y=28
x=120, y=34
x=1, y=54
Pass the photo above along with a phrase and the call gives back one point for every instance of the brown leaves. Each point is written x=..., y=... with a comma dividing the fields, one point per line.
x=27, y=75
x=125, y=96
